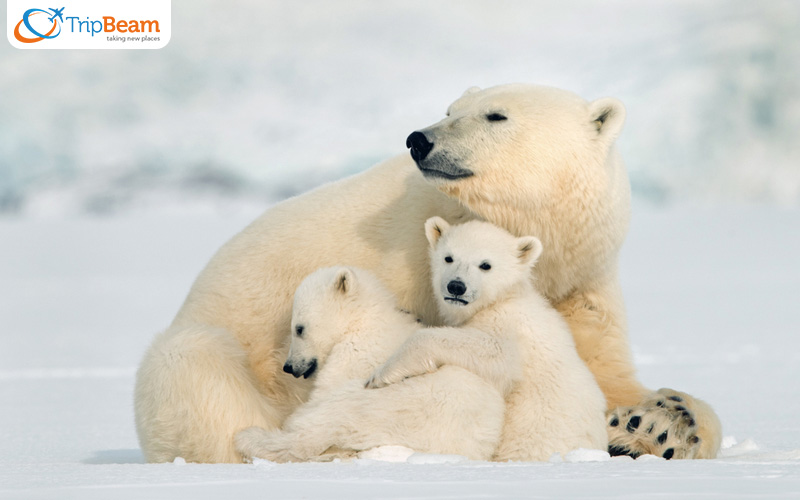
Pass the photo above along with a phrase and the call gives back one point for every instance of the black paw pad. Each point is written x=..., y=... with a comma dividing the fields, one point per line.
x=662, y=438
x=614, y=422
x=676, y=398
x=669, y=453
x=633, y=424
x=617, y=451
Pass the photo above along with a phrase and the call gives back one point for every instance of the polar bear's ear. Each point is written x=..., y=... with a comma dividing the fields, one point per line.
x=607, y=116
x=345, y=281
x=471, y=90
x=529, y=248
x=435, y=227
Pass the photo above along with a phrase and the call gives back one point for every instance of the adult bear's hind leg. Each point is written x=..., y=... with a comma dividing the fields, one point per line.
x=667, y=424
x=596, y=320
x=194, y=391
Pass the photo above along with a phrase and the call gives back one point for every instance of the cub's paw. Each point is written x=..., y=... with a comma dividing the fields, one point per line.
x=661, y=426
x=394, y=371
x=378, y=379
x=250, y=442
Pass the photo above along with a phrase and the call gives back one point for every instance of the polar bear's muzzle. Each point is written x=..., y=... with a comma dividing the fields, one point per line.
x=437, y=165
x=305, y=369
x=456, y=290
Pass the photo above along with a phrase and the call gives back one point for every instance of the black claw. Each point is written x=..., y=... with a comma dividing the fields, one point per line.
x=650, y=429
x=633, y=423
x=660, y=403
x=662, y=438
x=686, y=414
x=680, y=408
x=694, y=440
x=676, y=398
x=614, y=422
x=617, y=451
x=691, y=422
x=669, y=453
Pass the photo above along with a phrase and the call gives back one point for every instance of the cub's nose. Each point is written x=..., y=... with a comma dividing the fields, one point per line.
x=419, y=145
x=456, y=287
x=287, y=367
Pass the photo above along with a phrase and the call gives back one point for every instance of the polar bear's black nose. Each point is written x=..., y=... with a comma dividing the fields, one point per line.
x=287, y=367
x=419, y=145
x=456, y=287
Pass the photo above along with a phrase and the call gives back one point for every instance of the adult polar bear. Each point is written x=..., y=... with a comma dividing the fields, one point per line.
x=531, y=159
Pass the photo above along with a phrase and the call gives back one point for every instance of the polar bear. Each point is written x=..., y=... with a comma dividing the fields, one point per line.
x=530, y=159
x=497, y=325
x=345, y=323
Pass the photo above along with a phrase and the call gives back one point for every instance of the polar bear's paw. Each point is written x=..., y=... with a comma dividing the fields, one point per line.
x=256, y=442
x=662, y=426
x=397, y=369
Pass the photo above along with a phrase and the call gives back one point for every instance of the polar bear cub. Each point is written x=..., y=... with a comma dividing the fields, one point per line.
x=502, y=329
x=345, y=323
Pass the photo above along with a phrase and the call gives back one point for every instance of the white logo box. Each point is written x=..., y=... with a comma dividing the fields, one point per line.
x=89, y=24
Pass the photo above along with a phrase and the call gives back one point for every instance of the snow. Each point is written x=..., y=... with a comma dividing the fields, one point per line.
x=387, y=454
x=711, y=292
x=583, y=455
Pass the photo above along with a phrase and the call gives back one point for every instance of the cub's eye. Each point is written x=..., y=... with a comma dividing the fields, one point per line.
x=448, y=259
x=496, y=117
x=485, y=266
x=299, y=330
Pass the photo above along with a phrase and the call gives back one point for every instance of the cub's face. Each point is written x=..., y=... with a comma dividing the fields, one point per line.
x=515, y=144
x=474, y=264
x=320, y=317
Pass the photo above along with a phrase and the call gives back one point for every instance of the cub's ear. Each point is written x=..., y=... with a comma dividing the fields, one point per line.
x=471, y=90
x=529, y=248
x=435, y=227
x=607, y=116
x=345, y=281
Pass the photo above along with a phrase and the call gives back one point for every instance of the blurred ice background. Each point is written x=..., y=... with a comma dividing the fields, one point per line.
x=255, y=101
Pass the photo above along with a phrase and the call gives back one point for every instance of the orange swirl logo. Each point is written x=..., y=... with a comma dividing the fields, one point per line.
x=55, y=17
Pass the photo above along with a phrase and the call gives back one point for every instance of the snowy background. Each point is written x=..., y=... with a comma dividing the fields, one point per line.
x=260, y=100
x=121, y=172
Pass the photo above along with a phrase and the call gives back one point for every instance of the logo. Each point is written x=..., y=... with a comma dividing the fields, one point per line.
x=89, y=24
x=56, y=17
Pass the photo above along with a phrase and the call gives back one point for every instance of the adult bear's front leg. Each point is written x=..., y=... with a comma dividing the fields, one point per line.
x=665, y=423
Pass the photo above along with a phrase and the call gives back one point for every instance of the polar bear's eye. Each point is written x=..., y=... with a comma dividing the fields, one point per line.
x=485, y=266
x=448, y=259
x=496, y=117
x=299, y=330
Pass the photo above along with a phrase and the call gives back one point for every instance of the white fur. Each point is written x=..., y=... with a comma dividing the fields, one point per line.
x=550, y=169
x=346, y=323
x=506, y=332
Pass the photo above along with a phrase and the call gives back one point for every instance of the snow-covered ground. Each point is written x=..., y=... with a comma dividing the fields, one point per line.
x=712, y=296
